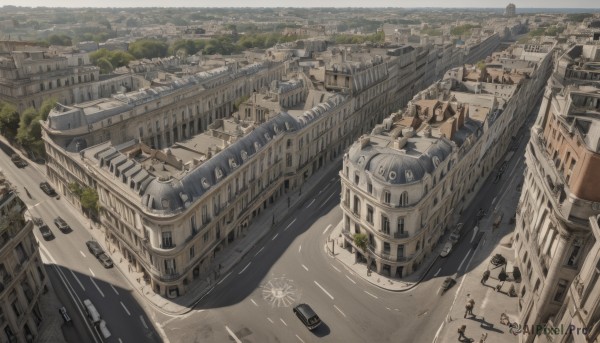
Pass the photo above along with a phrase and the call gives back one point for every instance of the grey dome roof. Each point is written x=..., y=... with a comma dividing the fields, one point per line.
x=391, y=166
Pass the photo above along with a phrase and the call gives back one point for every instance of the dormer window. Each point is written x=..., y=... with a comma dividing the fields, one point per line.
x=218, y=173
x=381, y=170
x=392, y=175
x=436, y=161
x=244, y=155
x=232, y=163
x=205, y=183
x=409, y=176
x=361, y=160
x=256, y=146
x=267, y=136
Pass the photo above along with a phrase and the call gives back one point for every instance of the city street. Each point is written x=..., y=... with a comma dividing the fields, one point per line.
x=73, y=265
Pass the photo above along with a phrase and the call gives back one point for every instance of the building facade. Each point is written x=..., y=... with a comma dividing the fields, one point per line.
x=560, y=192
x=22, y=277
x=402, y=183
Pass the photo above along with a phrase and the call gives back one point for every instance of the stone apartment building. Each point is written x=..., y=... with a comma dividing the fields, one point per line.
x=402, y=183
x=178, y=179
x=560, y=191
x=581, y=308
x=22, y=277
x=30, y=74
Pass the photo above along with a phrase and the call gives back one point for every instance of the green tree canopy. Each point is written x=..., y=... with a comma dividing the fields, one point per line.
x=63, y=40
x=9, y=120
x=105, y=66
x=47, y=106
x=89, y=200
x=148, y=48
x=361, y=241
x=115, y=58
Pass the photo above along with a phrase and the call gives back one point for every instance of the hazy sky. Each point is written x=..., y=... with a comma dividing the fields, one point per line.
x=304, y=3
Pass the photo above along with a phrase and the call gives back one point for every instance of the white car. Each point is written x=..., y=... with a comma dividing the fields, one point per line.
x=446, y=249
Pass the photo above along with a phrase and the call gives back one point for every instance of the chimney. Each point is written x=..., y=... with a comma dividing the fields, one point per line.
x=364, y=141
x=399, y=143
x=448, y=129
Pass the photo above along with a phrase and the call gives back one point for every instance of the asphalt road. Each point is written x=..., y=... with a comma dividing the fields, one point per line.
x=253, y=303
x=84, y=276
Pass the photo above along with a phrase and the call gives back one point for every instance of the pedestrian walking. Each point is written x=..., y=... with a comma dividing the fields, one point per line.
x=486, y=276
x=483, y=337
x=461, y=331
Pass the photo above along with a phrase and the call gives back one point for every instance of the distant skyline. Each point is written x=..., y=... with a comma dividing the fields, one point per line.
x=306, y=3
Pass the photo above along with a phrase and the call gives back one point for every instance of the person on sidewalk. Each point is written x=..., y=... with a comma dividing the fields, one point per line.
x=483, y=337
x=468, y=310
x=486, y=276
x=461, y=331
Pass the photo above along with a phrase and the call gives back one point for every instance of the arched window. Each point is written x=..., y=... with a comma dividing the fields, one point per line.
x=404, y=199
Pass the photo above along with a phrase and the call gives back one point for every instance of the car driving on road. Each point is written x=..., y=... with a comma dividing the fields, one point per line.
x=446, y=249
x=95, y=248
x=46, y=188
x=105, y=260
x=308, y=317
x=61, y=224
x=46, y=232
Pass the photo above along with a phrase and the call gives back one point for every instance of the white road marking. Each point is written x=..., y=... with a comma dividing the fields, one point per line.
x=374, y=296
x=328, y=227
x=313, y=200
x=223, y=279
x=125, y=308
x=254, y=302
x=436, y=273
x=437, y=333
x=77, y=279
x=347, y=277
x=271, y=320
x=237, y=340
x=120, y=341
x=290, y=224
x=284, y=323
x=258, y=252
x=475, y=229
x=329, y=197
x=463, y=260
x=91, y=271
x=98, y=288
x=114, y=289
x=244, y=268
x=387, y=308
x=305, y=267
x=210, y=290
x=81, y=252
x=324, y=290
x=274, y=236
x=300, y=248
x=334, y=267
x=299, y=338
x=337, y=308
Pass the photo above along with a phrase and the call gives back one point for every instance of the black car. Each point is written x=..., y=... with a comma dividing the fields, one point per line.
x=448, y=282
x=308, y=317
x=64, y=315
x=61, y=224
x=105, y=260
x=95, y=248
x=46, y=188
x=46, y=232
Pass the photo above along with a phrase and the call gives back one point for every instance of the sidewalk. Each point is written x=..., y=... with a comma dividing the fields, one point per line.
x=50, y=329
x=227, y=259
x=489, y=304
x=389, y=283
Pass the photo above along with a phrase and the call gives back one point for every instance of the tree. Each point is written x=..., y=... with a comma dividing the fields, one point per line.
x=148, y=48
x=47, y=106
x=361, y=241
x=89, y=200
x=27, y=130
x=76, y=189
x=63, y=40
x=105, y=66
x=9, y=120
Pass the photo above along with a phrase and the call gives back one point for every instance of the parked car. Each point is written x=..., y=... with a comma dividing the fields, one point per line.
x=448, y=282
x=64, y=315
x=307, y=316
x=105, y=260
x=103, y=329
x=498, y=260
x=446, y=249
x=18, y=161
x=61, y=224
x=46, y=188
x=91, y=311
x=95, y=248
x=46, y=232
x=455, y=235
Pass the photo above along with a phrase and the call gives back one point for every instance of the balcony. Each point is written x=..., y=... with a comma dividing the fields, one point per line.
x=400, y=235
x=168, y=246
x=169, y=277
